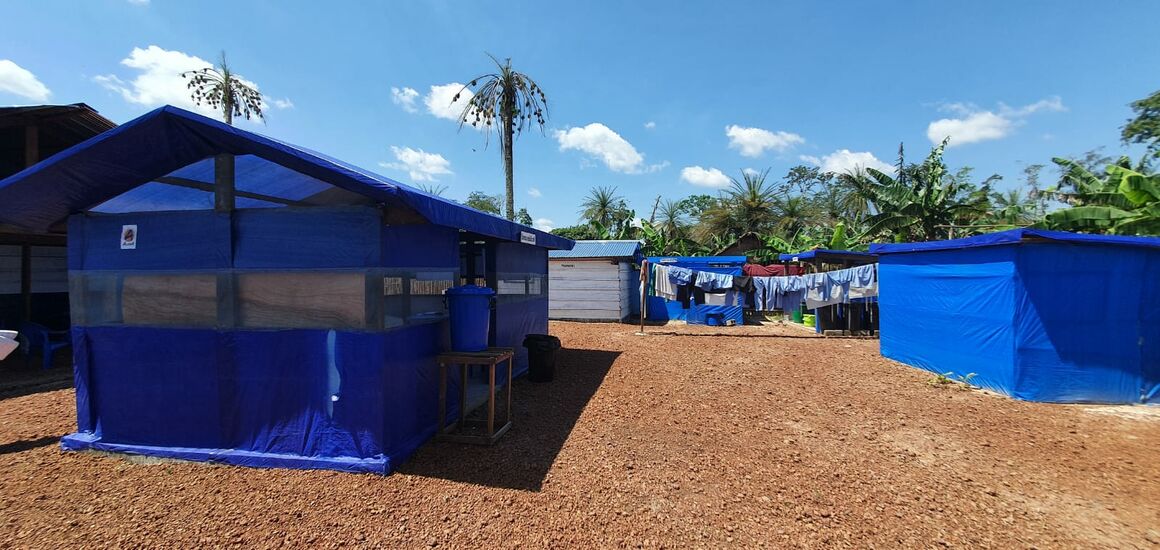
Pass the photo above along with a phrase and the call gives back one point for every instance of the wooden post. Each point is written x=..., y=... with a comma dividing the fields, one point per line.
x=223, y=180
x=31, y=145
x=223, y=201
x=644, y=272
x=26, y=282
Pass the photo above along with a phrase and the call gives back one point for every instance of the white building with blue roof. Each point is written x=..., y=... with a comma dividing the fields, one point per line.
x=595, y=281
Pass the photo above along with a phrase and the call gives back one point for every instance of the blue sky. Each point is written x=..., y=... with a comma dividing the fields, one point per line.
x=654, y=98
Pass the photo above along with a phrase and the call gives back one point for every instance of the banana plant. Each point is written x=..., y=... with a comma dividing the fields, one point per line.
x=1123, y=202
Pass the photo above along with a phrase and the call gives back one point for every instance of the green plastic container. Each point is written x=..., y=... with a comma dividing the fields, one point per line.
x=796, y=316
x=809, y=319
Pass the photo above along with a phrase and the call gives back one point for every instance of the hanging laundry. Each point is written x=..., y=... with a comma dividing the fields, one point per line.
x=864, y=281
x=743, y=283
x=760, y=293
x=710, y=282
x=681, y=276
x=663, y=282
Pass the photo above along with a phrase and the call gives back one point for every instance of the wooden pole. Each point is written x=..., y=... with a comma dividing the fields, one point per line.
x=31, y=145
x=643, y=293
x=223, y=202
x=31, y=156
x=25, y=282
x=224, y=185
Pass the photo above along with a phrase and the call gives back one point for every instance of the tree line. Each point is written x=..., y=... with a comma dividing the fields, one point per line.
x=918, y=201
x=806, y=208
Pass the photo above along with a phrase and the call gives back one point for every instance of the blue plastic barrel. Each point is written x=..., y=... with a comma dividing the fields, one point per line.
x=469, y=307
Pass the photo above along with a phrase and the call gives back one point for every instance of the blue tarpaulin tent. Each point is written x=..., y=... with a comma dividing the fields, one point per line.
x=298, y=330
x=1036, y=315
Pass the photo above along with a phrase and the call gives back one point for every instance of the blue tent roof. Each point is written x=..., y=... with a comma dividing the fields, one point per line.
x=118, y=171
x=599, y=249
x=823, y=253
x=1016, y=236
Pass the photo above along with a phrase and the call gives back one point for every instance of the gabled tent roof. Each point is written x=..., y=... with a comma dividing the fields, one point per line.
x=172, y=144
x=1016, y=236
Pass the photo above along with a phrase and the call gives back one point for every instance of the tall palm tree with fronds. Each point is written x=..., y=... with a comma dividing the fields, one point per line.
x=220, y=88
x=671, y=219
x=508, y=102
x=603, y=206
x=748, y=205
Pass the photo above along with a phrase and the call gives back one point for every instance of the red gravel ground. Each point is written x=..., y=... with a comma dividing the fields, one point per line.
x=768, y=438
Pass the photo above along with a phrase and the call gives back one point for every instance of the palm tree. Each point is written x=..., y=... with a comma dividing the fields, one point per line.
x=515, y=101
x=1012, y=208
x=748, y=205
x=672, y=220
x=795, y=214
x=221, y=89
x=602, y=206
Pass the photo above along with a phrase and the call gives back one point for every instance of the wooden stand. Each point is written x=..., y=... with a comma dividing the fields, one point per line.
x=489, y=358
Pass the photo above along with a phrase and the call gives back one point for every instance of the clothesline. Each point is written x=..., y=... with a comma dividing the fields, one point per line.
x=770, y=293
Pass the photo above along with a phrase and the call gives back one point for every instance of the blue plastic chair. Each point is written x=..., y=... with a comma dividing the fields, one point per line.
x=38, y=337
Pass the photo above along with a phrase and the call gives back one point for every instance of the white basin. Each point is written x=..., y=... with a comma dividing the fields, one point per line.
x=7, y=343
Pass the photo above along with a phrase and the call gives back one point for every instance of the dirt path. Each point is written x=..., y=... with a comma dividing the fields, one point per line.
x=770, y=438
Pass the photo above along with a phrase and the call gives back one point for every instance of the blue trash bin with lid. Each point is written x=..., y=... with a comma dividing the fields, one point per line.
x=469, y=308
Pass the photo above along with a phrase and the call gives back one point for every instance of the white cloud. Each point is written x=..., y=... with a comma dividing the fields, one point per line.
x=544, y=224
x=17, y=80
x=602, y=143
x=419, y=164
x=1053, y=104
x=702, y=177
x=405, y=98
x=650, y=125
x=974, y=124
x=750, y=171
x=534, y=192
x=438, y=100
x=844, y=161
x=752, y=142
x=283, y=103
x=975, y=127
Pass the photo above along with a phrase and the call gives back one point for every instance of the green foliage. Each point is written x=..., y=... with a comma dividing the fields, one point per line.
x=436, y=190
x=603, y=206
x=1145, y=127
x=483, y=202
x=925, y=202
x=1121, y=202
x=523, y=217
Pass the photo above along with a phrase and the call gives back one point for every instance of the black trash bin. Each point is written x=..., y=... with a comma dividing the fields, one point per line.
x=541, y=356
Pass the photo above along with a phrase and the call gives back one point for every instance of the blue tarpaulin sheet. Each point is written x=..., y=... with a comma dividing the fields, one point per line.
x=1037, y=316
x=117, y=171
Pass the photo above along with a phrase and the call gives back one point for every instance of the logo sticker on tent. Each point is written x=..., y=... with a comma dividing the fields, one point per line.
x=128, y=237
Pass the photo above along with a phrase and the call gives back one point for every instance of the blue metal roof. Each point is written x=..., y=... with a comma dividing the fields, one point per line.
x=599, y=249
x=1016, y=236
x=131, y=169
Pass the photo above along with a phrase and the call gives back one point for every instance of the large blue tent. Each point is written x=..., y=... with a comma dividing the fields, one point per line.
x=297, y=330
x=1036, y=315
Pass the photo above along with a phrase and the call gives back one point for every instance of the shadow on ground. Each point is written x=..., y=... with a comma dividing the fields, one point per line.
x=543, y=417
x=19, y=377
x=27, y=445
